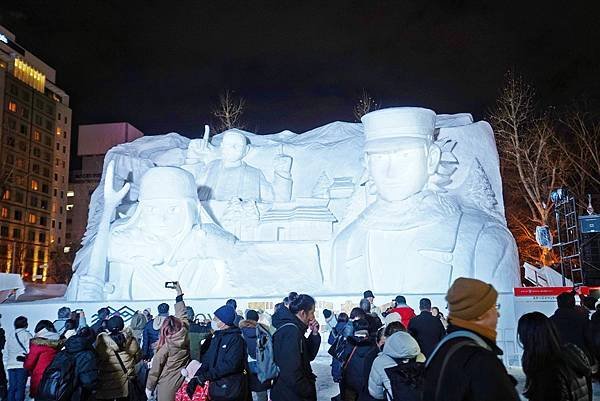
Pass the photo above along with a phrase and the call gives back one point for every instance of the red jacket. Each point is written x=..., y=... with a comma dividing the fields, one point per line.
x=41, y=354
x=406, y=313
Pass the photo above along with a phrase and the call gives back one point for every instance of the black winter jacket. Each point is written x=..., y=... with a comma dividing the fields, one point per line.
x=86, y=368
x=293, y=352
x=564, y=380
x=357, y=350
x=473, y=373
x=427, y=330
x=574, y=328
x=226, y=356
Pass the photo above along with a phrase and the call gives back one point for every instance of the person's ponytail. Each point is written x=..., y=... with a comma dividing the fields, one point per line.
x=302, y=302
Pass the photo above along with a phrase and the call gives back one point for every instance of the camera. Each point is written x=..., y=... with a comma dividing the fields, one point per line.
x=171, y=284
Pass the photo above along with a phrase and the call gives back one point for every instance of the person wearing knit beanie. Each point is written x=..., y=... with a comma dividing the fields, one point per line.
x=226, y=314
x=466, y=364
x=472, y=305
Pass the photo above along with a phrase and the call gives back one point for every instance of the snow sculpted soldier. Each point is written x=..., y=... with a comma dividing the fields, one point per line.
x=415, y=238
x=163, y=240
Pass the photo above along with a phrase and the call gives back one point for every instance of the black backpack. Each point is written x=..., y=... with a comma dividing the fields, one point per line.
x=59, y=379
x=407, y=380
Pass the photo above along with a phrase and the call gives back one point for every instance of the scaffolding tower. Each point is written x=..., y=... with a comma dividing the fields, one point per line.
x=568, y=239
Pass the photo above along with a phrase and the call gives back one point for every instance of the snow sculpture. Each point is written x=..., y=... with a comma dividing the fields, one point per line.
x=414, y=237
x=402, y=203
x=230, y=177
x=165, y=240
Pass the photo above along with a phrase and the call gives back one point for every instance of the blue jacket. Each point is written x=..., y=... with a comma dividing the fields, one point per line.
x=151, y=335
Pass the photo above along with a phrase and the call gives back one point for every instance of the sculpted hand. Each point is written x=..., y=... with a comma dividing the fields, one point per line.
x=112, y=198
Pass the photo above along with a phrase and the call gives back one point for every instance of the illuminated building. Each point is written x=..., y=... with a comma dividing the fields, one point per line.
x=93, y=142
x=34, y=161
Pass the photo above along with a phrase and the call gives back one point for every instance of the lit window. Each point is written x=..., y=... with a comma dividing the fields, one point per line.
x=12, y=106
x=69, y=206
x=67, y=249
x=32, y=218
x=5, y=212
x=6, y=194
x=37, y=136
x=34, y=185
x=70, y=193
x=57, y=131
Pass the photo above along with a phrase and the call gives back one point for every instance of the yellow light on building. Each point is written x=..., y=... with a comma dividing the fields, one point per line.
x=29, y=75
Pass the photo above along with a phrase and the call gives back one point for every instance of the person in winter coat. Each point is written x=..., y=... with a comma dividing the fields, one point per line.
x=355, y=378
x=115, y=340
x=435, y=312
x=374, y=321
x=399, y=345
x=151, y=332
x=426, y=329
x=103, y=316
x=42, y=348
x=376, y=310
x=293, y=350
x=137, y=324
x=595, y=329
x=198, y=333
x=80, y=347
x=337, y=338
x=406, y=312
x=469, y=354
x=17, y=347
x=553, y=373
x=224, y=362
x=63, y=315
x=382, y=335
x=3, y=379
x=248, y=328
x=573, y=326
x=172, y=353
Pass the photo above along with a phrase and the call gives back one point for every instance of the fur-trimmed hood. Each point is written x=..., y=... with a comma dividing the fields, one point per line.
x=247, y=324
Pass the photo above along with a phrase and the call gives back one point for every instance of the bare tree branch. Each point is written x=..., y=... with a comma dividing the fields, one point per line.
x=364, y=105
x=229, y=111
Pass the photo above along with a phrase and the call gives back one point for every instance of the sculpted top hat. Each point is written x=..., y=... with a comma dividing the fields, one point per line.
x=398, y=128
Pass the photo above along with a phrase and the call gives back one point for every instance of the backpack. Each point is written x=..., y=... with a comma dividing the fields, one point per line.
x=59, y=379
x=407, y=380
x=265, y=367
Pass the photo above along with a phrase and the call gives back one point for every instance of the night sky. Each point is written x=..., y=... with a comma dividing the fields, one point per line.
x=161, y=65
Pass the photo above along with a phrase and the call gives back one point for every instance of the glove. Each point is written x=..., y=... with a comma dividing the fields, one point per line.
x=191, y=387
x=326, y=313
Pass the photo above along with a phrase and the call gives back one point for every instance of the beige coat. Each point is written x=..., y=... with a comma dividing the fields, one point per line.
x=165, y=375
x=112, y=383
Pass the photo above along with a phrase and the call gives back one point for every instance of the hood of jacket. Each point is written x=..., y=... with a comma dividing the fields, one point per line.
x=179, y=339
x=284, y=316
x=111, y=344
x=46, y=342
x=45, y=334
x=401, y=345
x=77, y=344
x=138, y=322
x=158, y=321
x=247, y=324
x=361, y=341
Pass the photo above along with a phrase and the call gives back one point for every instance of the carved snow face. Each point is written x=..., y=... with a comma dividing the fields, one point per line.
x=163, y=217
x=233, y=147
x=402, y=173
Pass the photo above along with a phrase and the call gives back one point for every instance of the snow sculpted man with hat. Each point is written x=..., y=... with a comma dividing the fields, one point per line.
x=415, y=238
